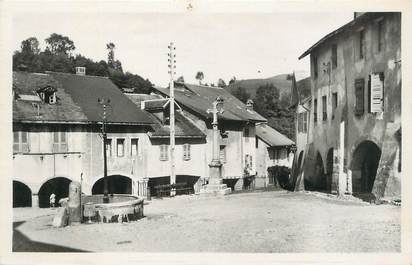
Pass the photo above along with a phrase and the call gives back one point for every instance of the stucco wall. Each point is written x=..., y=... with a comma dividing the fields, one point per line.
x=369, y=126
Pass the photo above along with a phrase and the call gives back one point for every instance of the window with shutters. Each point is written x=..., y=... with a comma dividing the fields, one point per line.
x=59, y=141
x=334, y=104
x=305, y=122
x=380, y=35
x=361, y=44
x=164, y=156
x=359, y=96
x=324, y=109
x=376, y=92
x=299, y=122
x=334, y=56
x=134, y=147
x=120, y=147
x=222, y=154
x=186, y=152
x=315, y=67
x=108, y=147
x=20, y=142
x=246, y=135
x=315, y=111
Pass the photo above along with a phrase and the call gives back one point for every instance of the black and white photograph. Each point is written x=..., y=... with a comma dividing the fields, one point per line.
x=183, y=128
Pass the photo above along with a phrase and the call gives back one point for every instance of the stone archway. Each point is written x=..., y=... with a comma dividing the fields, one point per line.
x=21, y=195
x=317, y=181
x=364, y=165
x=59, y=186
x=329, y=170
x=118, y=184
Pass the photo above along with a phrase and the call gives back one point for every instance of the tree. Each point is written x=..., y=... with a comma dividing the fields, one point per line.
x=232, y=80
x=181, y=79
x=241, y=94
x=30, y=46
x=221, y=83
x=60, y=45
x=200, y=76
x=110, y=57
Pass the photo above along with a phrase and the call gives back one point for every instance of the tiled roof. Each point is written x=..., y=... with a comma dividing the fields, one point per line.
x=271, y=136
x=77, y=100
x=183, y=127
x=200, y=98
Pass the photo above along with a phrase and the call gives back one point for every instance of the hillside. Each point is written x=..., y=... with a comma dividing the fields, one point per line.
x=251, y=85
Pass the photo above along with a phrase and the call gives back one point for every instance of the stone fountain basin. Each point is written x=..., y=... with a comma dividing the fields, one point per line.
x=120, y=208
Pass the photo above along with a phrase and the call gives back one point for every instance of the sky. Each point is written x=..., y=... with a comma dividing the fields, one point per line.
x=221, y=45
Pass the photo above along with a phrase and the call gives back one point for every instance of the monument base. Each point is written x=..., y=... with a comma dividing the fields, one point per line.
x=215, y=186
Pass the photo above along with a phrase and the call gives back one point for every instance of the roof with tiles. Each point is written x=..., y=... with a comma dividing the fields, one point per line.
x=77, y=100
x=272, y=137
x=183, y=127
x=200, y=98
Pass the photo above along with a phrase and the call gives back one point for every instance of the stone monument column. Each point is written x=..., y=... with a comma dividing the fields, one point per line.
x=215, y=186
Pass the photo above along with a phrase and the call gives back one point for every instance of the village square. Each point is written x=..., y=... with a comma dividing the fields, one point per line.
x=292, y=163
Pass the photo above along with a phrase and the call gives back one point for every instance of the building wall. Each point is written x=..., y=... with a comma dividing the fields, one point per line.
x=369, y=126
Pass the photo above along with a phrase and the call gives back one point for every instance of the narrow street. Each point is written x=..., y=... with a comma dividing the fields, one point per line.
x=274, y=221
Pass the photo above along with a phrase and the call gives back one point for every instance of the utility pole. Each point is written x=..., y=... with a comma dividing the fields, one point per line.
x=172, y=72
x=104, y=103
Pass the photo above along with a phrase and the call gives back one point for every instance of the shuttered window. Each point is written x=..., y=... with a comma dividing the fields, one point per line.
x=315, y=110
x=222, y=154
x=108, y=147
x=315, y=67
x=376, y=93
x=324, y=109
x=334, y=104
x=334, y=56
x=134, y=145
x=305, y=122
x=163, y=152
x=20, y=142
x=59, y=141
x=359, y=96
x=120, y=147
x=186, y=152
x=300, y=122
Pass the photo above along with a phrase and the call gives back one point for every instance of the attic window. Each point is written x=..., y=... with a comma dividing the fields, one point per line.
x=48, y=94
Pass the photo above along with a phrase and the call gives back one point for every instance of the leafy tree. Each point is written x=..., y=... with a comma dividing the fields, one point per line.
x=221, y=83
x=241, y=94
x=232, y=80
x=200, y=76
x=30, y=46
x=60, y=45
x=181, y=79
x=110, y=57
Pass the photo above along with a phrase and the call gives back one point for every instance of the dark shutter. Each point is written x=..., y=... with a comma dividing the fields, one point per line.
x=359, y=96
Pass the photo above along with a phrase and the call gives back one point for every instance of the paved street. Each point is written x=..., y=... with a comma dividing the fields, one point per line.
x=274, y=221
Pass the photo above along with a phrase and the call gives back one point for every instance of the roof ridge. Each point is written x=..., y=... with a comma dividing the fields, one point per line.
x=52, y=72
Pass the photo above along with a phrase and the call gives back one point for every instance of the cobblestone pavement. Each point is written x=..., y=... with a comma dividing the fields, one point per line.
x=275, y=221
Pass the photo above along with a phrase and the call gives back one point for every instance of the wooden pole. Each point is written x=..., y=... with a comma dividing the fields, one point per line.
x=172, y=117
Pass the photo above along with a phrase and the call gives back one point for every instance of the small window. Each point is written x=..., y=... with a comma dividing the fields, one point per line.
x=334, y=56
x=362, y=44
x=305, y=122
x=134, y=145
x=164, y=152
x=186, y=152
x=59, y=141
x=120, y=147
x=20, y=142
x=381, y=36
x=334, y=104
x=315, y=110
x=222, y=154
x=359, y=96
x=324, y=109
x=108, y=147
x=246, y=135
x=315, y=67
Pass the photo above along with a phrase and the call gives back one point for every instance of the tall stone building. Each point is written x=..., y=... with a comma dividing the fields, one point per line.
x=353, y=142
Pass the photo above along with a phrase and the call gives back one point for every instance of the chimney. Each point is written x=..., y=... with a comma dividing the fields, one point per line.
x=80, y=70
x=249, y=104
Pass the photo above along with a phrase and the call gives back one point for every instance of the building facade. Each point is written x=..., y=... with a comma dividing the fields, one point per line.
x=237, y=125
x=353, y=143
